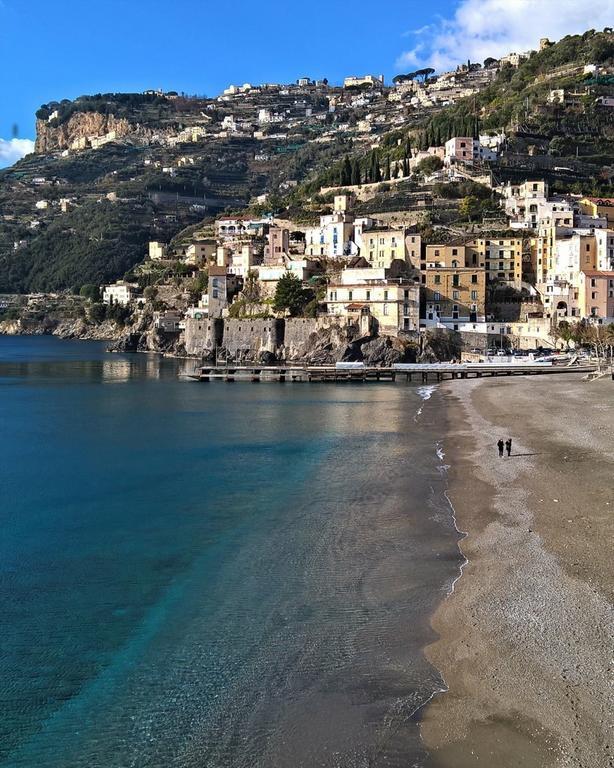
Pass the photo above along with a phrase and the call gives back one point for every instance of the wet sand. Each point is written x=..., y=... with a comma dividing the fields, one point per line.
x=526, y=638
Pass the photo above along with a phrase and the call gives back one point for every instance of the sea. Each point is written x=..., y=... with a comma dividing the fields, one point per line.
x=214, y=575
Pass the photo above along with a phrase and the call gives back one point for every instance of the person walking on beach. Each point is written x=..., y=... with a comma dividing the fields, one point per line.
x=500, y=447
x=508, y=446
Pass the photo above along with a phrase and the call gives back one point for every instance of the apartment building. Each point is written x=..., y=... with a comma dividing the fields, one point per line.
x=454, y=295
x=384, y=295
x=380, y=245
x=596, y=295
x=334, y=237
x=501, y=257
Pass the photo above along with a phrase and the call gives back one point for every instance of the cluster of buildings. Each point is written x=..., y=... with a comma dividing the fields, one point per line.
x=571, y=250
x=555, y=261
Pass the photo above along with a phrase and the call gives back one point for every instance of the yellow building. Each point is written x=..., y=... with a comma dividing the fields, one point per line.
x=454, y=295
x=157, y=250
x=596, y=206
x=380, y=246
x=393, y=302
x=449, y=255
x=502, y=259
x=201, y=252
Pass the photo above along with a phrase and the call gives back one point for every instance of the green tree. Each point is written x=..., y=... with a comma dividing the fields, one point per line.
x=90, y=292
x=565, y=332
x=356, y=176
x=290, y=295
x=98, y=313
x=150, y=292
x=252, y=293
x=345, y=177
x=430, y=165
x=469, y=207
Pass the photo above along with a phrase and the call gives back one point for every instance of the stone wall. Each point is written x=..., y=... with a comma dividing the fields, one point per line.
x=202, y=336
x=252, y=339
x=248, y=338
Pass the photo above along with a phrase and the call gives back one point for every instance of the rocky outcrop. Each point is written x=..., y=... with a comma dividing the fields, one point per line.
x=440, y=344
x=388, y=350
x=64, y=329
x=79, y=127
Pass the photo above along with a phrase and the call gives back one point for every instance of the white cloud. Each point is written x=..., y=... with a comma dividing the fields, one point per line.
x=13, y=150
x=482, y=28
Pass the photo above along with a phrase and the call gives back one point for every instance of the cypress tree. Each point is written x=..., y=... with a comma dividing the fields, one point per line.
x=355, y=172
x=377, y=174
x=346, y=172
x=387, y=171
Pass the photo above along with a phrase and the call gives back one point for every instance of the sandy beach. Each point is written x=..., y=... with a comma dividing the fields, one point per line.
x=526, y=637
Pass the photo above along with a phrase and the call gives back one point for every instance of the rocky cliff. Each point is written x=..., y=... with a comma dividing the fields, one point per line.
x=80, y=126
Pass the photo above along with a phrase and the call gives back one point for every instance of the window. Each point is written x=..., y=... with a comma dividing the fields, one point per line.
x=474, y=295
x=455, y=280
x=454, y=251
x=385, y=310
x=368, y=295
x=456, y=294
x=436, y=295
x=406, y=295
x=436, y=251
x=385, y=295
x=437, y=279
x=594, y=295
x=593, y=282
x=392, y=254
x=350, y=295
x=474, y=279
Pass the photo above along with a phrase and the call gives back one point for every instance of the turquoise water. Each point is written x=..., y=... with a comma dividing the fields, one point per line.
x=213, y=574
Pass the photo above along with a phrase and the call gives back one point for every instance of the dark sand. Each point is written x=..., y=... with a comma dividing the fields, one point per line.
x=526, y=638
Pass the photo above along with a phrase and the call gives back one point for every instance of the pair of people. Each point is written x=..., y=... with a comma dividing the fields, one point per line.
x=507, y=445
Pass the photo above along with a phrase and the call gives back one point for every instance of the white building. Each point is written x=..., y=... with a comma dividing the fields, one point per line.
x=465, y=149
x=157, y=250
x=375, y=81
x=120, y=292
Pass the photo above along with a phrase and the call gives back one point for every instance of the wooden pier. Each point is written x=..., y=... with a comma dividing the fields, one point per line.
x=422, y=372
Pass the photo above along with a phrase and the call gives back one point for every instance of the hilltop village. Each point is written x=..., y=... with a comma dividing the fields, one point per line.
x=320, y=222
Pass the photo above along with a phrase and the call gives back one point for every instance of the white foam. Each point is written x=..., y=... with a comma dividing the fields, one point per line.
x=426, y=391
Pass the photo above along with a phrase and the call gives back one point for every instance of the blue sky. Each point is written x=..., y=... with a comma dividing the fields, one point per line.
x=54, y=49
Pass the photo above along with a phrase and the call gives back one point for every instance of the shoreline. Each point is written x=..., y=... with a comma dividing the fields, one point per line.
x=525, y=634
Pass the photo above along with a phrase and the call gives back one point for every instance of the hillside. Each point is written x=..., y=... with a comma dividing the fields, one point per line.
x=154, y=165
x=112, y=171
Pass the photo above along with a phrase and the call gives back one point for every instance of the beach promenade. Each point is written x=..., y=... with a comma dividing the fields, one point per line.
x=526, y=637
